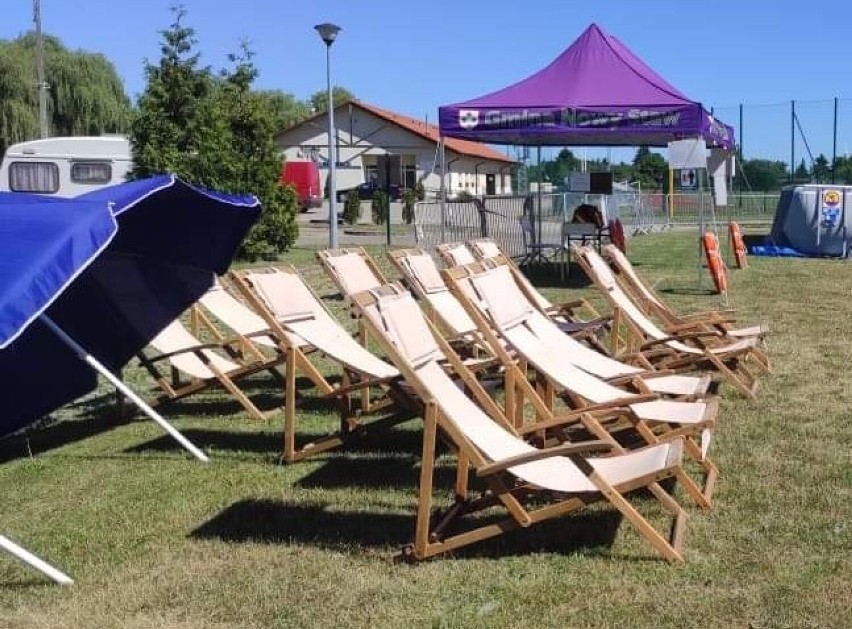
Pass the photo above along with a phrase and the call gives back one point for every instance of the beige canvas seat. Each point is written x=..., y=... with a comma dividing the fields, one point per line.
x=351, y=270
x=652, y=305
x=709, y=348
x=582, y=356
x=518, y=476
x=299, y=323
x=422, y=275
x=196, y=366
x=576, y=317
x=496, y=303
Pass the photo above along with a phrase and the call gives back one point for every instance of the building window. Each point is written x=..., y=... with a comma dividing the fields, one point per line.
x=409, y=176
x=91, y=172
x=371, y=172
x=34, y=177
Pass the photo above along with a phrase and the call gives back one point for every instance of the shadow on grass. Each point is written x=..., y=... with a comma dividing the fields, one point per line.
x=348, y=471
x=100, y=416
x=324, y=526
x=28, y=584
x=688, y=290
x=550, y=276
x=376, y=442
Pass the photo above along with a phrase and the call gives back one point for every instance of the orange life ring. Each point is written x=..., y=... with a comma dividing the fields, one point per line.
x=738, y=245
x=714, y=262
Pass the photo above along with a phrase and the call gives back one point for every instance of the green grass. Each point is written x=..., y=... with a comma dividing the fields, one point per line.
x=154, y=538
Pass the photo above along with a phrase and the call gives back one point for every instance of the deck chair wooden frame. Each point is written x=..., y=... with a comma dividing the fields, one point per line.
x=668, y=350
x=577, y=317
x=467, y=428
x=600, y=406
x=652, y=305
x=370, y=277
x=296, y=350
x=195, y=366
x=442, y=307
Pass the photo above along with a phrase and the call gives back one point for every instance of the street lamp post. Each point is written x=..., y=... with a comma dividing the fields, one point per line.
x=328, y=33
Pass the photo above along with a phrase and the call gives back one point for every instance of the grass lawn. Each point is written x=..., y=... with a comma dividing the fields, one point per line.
x=155, y=539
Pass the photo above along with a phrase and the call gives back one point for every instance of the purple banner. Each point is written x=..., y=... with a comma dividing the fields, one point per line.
x=564, y=126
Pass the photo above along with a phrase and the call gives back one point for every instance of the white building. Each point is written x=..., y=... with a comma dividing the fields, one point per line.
x=374, y=144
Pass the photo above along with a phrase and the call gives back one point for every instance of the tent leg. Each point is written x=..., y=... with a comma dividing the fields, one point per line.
x=28, y=558
x=118, y=384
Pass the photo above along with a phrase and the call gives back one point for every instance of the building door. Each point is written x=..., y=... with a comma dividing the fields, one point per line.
x=389, y=169
x=490, y=184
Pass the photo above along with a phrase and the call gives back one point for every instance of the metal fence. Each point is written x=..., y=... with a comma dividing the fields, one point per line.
x=499, y=217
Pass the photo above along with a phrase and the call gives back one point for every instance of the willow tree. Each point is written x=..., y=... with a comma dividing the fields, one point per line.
x=85, y=95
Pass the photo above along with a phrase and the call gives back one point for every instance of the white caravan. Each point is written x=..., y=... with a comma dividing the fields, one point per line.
x=66, y=166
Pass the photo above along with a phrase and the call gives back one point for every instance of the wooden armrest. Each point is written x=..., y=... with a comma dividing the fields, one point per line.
x=357, y=386
x=186, y=350
x=563, y=449
x=681, y=337
x=678, y=328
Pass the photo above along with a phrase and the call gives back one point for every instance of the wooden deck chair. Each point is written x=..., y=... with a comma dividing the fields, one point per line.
x=506, y=319
x=455, y=253
x=299, y=323
x=423, y=277
x=351, y=270
x=577, y=316
x=618, y=373
x=518, y=476
x=246, y=325
x=219, y=304
x=196, y=366
x=709, y=350
x=652, y=304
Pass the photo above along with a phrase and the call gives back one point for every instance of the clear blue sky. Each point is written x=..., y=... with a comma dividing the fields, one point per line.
x=413, y=57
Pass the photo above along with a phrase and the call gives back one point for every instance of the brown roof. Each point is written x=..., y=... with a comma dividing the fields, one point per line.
x=428, y=131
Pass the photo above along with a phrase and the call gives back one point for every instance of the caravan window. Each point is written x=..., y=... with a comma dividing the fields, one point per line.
x=34, y=177
x=91, y=172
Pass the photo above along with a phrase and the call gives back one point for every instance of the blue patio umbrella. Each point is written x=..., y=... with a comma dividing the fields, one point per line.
x=74, y=273
x=112, y=296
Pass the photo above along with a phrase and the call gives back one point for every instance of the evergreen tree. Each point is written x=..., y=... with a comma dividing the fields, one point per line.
x=166, y=130
x=215, y=132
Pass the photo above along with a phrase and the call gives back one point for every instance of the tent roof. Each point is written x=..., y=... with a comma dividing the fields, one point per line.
x=596, y=92
x=597, y=70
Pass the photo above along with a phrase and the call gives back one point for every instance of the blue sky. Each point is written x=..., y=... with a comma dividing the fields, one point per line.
x=413, y=57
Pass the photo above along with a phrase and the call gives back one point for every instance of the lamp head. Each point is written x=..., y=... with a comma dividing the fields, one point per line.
x=328, y=32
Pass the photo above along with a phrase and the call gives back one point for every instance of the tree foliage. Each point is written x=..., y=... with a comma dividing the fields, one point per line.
x=762, y=175
x=85, y=96
x=650, y=168
x=319, y=100
x=215, y=131
x=288, y=109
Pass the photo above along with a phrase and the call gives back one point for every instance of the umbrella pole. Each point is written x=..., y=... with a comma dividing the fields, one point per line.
x=39, y=564
x=106, y=373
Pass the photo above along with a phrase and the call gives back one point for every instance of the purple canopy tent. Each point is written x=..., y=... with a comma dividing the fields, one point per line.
x=596, y=93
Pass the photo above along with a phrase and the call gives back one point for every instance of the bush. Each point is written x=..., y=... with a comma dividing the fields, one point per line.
x=276, y=230
x=409, y=199
x=380, y=206
x=352, y=209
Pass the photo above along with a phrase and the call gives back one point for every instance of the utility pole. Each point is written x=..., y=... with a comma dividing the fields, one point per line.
x=42, y=85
